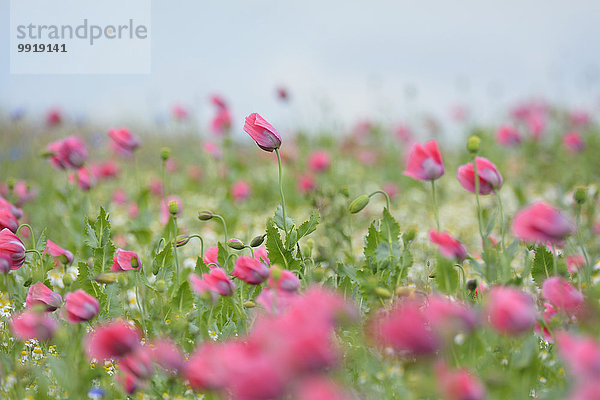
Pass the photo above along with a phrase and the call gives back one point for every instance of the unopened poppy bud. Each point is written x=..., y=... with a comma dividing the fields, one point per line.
x=11, y=183
x=383, y=292
x=205, y=215
x=249, y=304
x=276, y=273
x=472, y=284
x=473, y=144
x=358, y=204
x=580, y=195
x=236, y=244
x=106, y=278
x=67, y=279
x=46, y=154
x=134, y=262
x=63, y=259
x=182, y=241
x=173, y=207
x=165, y=153
x=257, y=240
x=345, y=191
x=161, y=285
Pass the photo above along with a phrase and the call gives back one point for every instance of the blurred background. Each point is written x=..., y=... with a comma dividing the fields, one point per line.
x=339, y=62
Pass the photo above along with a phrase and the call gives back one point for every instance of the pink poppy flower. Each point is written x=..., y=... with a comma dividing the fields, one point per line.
x=549, y=313
x=250, y=270
x=581, y=356
x=68, y=153
x=573, y=142
x=125, y=260
x=8, y=220
x=82, y=178
x=541, y=223
x=80, y=306
x=221, y=123
x=179, y=112
x=406, y=329
x=306, y=183
x=575, y=263
x=167, y=354
x=123, y=141
x=510, y=311
x=448, y=246
x=240, y=190
x=263, y=133
x=319, y=161
x=458, y=384
x=425, y=162
x=40, y=294
x=319, y=388
x=260, y=254
x=33, y=325
x=562, y=295
x=213, y=150
x=53, y=118
x=12, y=248
x=210, y=256
x=507, y=135
x=218, y=281
x=449, y=316
x=490, y=179
x=112, y=340
x=137, y=363
x=287, y=281
x=105, y=170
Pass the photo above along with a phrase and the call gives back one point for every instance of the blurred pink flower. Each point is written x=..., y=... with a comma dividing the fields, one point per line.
x=490, y=179
x=425, y=162
x=250, y=270
x=319, y=161
x=41, y=295
x=510, y=311
x=80, y=306
x=33, y=325
x=562, y=295
x=507, y=135
x=541, y=223
x=449, y=247
x=125, y=261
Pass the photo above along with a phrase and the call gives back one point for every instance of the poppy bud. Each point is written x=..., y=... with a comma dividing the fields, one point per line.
x=106, y=278
x=165, y=153
x=580, y=195
x=472, y=284
x=183, y=241
x=249, y=304
x=383, y=292
x=205, y=215
x=257, y=240
x=358, y=204
x=236, y=244
x=173, y=207
x=473, y=144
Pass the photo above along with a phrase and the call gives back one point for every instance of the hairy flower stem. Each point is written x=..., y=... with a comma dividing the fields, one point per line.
x=387, y=197
x=174, y=244
x=436, y=212
x=281, y=193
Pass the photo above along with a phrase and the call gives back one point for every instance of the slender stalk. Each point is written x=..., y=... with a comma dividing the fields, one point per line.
x=387, y=197
x=281, y=192
x=174, y=243
x=30, y=231
x=501, y=209
x=580, y=240
x=435, y=205
x=138, y=300
x=479, y=214
x=224, y=226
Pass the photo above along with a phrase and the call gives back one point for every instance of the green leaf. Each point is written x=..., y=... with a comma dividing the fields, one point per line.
x=310, y=225
x=446, y=277
x=278, y=218
x=103, y=257
x=371, y=242
x=277, y=252
x=183, y=300
x=389, y=228
x=491, y=223
x=542, y=265
x=222, y=254
x=164, y=259
x=42, y=240
x=201, y=266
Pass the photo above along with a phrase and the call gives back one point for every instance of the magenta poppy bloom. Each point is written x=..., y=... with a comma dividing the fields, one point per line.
x=510, y=311
x=541, y=223
x=123, y=141
x=8, y=220
x=200, y=286
x=53, y=118
x=179, y=112
x=40, y=294
x=68, y=153
x=490, y=179
x=275, y=301
x=445, y=315
x=425, y=162
x=12, y=248
x=167, y=354
x=80, y=306
x=287, y=281
x=14, y=210
x=448, y=246
x=33, y=325
x=218, y=281
x=210, y=256
x=262, y=255
x=574, y=263
x=250, y=270
x=221, y=123
x=306, y=183
x=581, y=356
x=573, y=142
x=548, y=314
x=240, y=190
x=319, y=388
x=507, y=135
x=125, y=260
x=81, y=178
x=263, y=133
x=104, y=170
x=459, y=384
x=406, y=329
x=112, y=340
x=59, y=254
x=562, y=295
x=137, y=363
x=319, y=161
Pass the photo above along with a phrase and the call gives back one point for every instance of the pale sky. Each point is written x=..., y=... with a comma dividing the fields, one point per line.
x=341, y=60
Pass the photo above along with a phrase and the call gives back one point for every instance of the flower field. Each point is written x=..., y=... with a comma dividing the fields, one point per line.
x=251, y=263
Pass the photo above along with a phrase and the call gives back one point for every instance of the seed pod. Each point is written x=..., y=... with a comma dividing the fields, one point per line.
x=173, y=207
x=165, y=153
x=473, y=144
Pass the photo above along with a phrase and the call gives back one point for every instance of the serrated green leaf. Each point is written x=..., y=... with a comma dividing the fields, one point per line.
x=222, y=254
x=163, y=260
x=278, y=219
x=183, y=300
x=371, y=242
x=42, y=240
x=277, y=252
x=542, y=265
x=310, y=225
x=389, y=228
